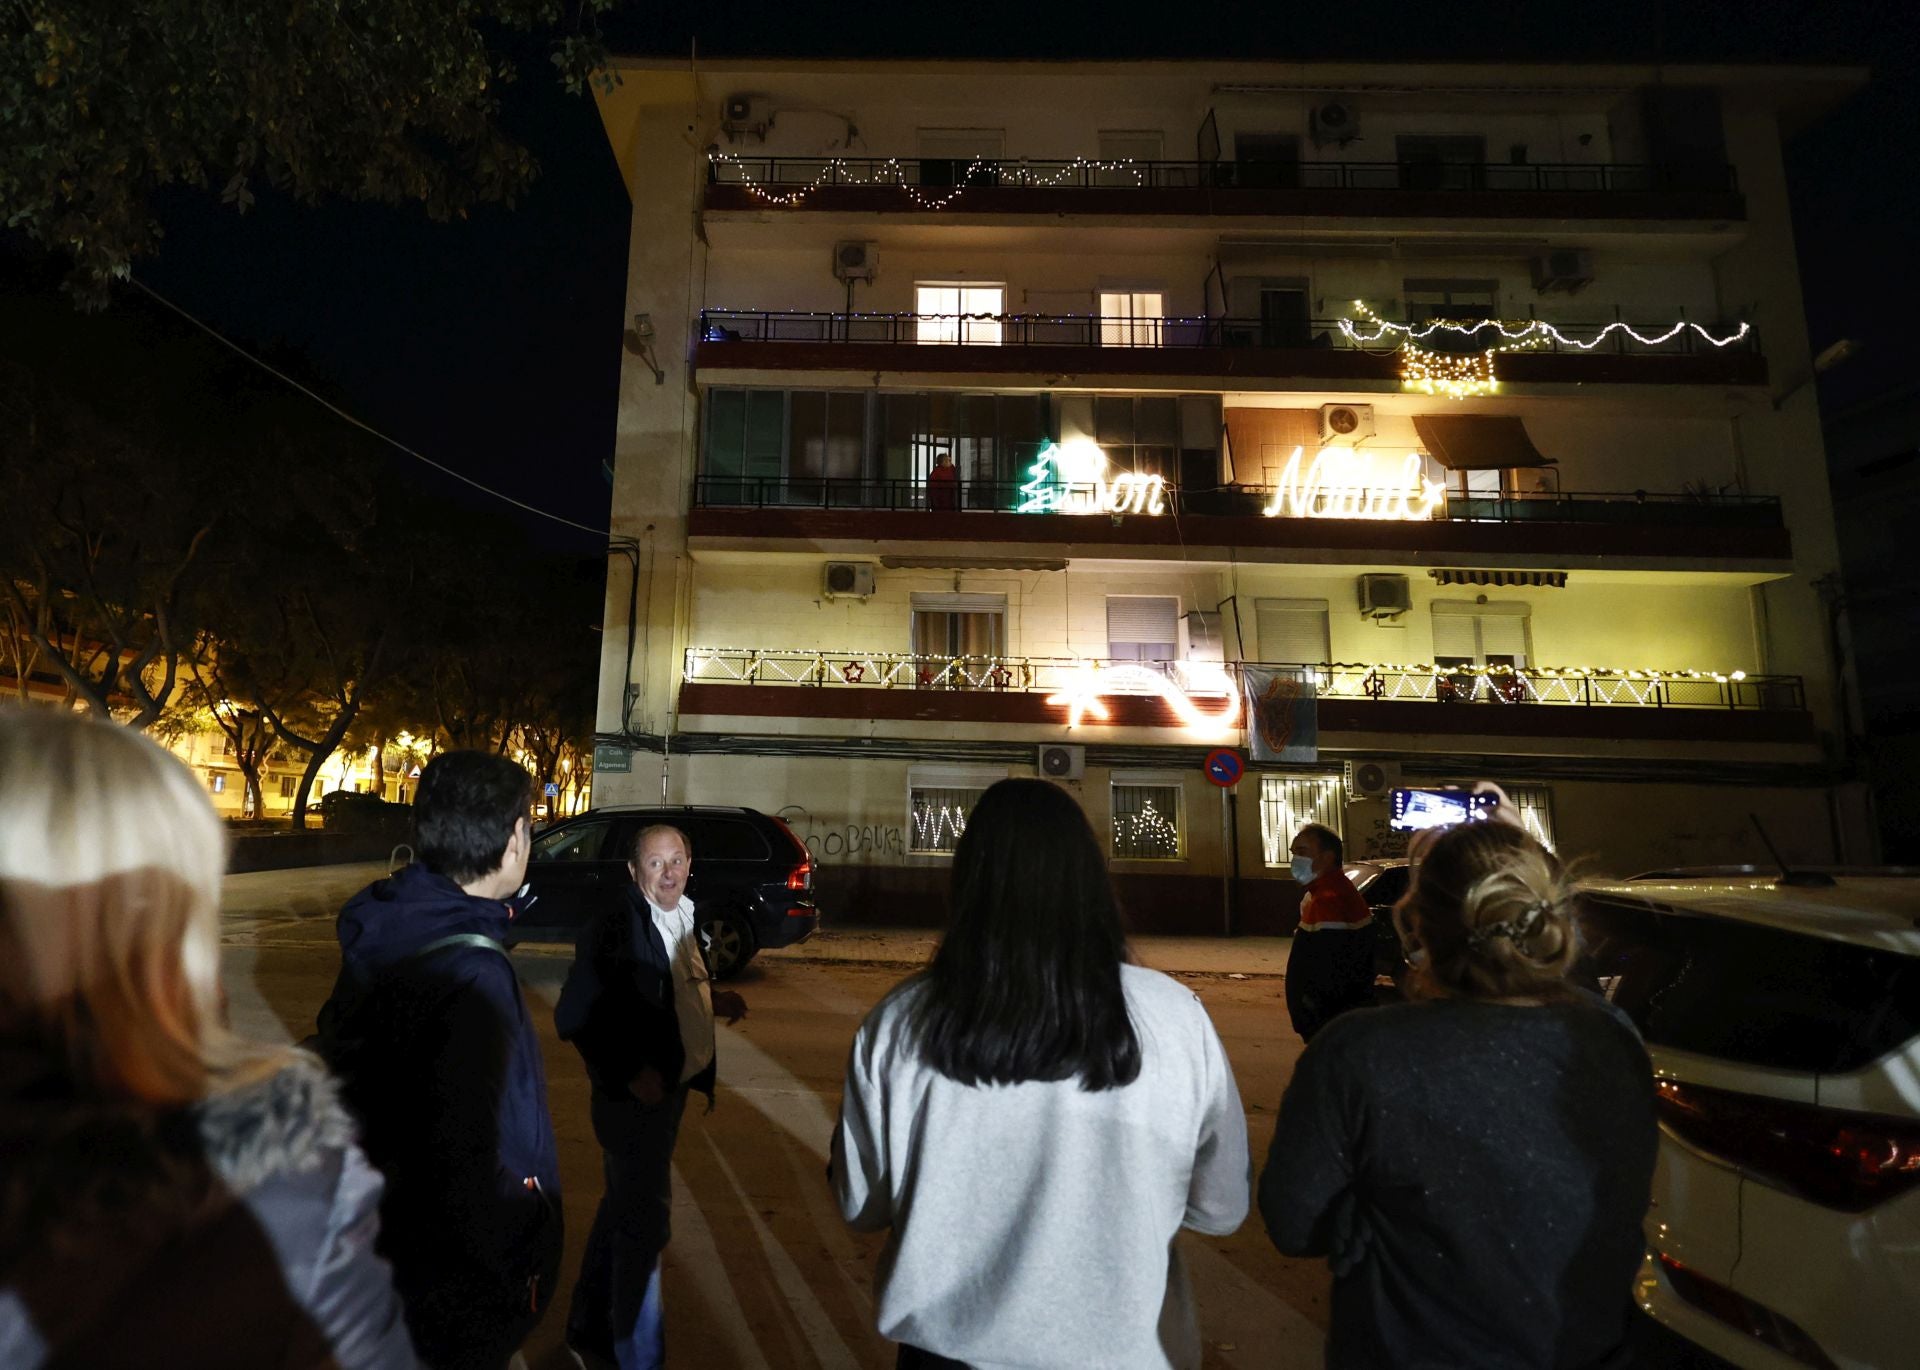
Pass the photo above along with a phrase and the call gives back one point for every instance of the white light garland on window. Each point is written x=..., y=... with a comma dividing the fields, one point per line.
x=892, y=172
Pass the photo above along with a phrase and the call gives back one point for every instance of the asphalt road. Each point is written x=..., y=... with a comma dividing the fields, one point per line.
x=762, y=1274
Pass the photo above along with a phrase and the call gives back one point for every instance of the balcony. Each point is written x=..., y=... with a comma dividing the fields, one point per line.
x=1204, y=699
x=1219, y=348
x=1637, y=525
x=1284, y=189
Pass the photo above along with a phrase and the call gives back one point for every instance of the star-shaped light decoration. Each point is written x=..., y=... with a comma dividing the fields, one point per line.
x=1081, y=695
x=853, y=672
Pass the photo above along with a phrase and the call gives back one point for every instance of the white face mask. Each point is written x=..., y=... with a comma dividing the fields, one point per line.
x=1303, y=869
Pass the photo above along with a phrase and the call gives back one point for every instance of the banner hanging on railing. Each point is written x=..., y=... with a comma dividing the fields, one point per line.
x=1283, y=715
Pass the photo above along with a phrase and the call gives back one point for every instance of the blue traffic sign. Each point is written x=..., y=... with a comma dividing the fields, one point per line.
x=1224, y=767
x=553, y=788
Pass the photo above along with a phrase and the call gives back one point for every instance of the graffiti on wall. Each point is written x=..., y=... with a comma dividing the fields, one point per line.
x=848, y=841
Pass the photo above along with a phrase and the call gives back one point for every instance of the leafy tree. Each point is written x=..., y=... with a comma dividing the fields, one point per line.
x=396, y=101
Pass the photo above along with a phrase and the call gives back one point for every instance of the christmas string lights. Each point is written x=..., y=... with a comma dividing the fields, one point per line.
x=1146, y=835
x=892, y=172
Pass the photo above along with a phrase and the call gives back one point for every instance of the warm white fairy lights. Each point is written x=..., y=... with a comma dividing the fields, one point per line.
x=893, y=172
x=1342, y=483
x=1146, y=835
x=1463, y=375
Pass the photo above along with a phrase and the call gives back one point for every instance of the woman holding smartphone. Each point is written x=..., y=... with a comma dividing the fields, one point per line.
x=1034, y=1119
x=1473, y=1164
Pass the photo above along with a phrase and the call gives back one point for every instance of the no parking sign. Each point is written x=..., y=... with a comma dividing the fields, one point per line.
x=1224, y=767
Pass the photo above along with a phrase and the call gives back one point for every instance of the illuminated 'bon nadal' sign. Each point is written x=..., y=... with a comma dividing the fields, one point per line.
x=1075, y=477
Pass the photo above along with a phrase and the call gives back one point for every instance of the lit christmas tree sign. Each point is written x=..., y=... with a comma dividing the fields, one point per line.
x=1341, y=483
x=1075, y=477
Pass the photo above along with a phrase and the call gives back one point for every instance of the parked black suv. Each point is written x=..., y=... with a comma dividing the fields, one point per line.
x=751, y=883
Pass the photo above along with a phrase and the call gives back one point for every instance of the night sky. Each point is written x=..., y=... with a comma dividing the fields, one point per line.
x=494, y=344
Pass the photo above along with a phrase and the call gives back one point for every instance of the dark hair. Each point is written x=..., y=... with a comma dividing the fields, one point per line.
x=1494, y=911
x=1329, y=840
x=464, y=813
x=1026, y=982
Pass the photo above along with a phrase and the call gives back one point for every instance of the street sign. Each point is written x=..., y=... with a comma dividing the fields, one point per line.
x=609, y=757
x=1224, y=767
x=553, y=789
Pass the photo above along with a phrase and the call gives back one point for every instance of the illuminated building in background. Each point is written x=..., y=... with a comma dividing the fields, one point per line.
x=1006, y=443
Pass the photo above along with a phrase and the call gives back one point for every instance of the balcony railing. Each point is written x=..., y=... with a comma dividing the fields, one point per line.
x=1445, y=684
x=781, y=177
x=1637, y=508
x=720, y=326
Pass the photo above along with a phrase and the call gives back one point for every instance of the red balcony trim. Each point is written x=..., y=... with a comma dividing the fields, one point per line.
x=1386, y=203
x=1624, y=723
x=1319, y=363
x=1461, y=538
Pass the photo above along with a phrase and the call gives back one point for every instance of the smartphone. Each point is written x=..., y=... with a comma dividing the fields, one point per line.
x=1413, y=810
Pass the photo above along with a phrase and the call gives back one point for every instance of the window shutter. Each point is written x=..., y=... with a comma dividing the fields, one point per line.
x=1453, y=635
x=959, y=604
x=1504, y=635
x=1143, y=618
x=1292, y=631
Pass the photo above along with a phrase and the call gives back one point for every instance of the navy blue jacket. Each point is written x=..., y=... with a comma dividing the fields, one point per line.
x=440, y=1061
x=618, y=1008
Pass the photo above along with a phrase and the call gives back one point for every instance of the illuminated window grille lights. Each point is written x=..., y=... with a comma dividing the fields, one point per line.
x=937, y=828
x=1146, y=835
x=1459, y=376
x=893, y=173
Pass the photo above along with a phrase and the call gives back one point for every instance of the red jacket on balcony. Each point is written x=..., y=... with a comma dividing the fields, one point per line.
x=943, y=485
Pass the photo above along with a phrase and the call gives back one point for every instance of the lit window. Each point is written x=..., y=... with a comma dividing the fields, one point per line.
x=1146, y=822
x=1131, y=318
x=1533, y=804
x=959, y=313
x=1288, y=803
x=218, y=780
x=939, y=815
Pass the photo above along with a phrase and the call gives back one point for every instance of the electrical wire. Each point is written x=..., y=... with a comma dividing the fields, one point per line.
x=365, y=427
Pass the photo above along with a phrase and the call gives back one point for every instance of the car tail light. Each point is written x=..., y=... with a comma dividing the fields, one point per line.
x=1848, y=1161
x=801, y=876
x=1742, y=1314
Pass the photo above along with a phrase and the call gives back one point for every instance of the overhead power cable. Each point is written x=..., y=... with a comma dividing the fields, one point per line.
x=364, y=427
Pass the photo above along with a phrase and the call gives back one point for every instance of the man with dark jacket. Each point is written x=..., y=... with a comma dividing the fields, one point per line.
x=430, y=1034
x=1330, y=968
x=639, y=1006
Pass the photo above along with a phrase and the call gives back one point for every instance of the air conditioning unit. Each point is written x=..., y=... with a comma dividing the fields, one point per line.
x=1371, y=779
x=848, y=579
x=855, y=261
x=1564, y=269
x=1336, y=122
x=1060, y=761
x=746, y=114
x=1345, y=423
x=1384, y=596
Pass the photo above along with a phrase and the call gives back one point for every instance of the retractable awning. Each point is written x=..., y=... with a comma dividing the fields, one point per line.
x=1481, y=443
x=1457, y=575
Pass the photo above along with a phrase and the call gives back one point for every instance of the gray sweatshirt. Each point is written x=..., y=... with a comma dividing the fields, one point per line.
x=1033, y=1224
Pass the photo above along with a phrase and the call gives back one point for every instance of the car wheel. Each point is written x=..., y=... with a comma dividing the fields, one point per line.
x=727, y=939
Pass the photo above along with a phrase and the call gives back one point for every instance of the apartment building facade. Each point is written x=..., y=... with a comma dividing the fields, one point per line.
x=1388, y=426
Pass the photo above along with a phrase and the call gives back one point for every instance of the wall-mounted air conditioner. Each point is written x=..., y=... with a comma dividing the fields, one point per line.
x=741, y=115
x=1384, y=596
x=855, y=261
x=1564, y=269
x=1333, y=122
x=1345, y=423
x=1371, y=779
x=1062, y=761
x=848, y=580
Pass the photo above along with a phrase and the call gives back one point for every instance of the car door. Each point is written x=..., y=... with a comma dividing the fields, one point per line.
x=569, y=876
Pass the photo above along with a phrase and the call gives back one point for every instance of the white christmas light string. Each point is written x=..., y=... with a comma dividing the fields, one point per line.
x=892, y=172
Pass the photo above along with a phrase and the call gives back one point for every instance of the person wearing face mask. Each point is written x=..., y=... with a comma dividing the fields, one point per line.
x=1330, y=968
x=639, y=1007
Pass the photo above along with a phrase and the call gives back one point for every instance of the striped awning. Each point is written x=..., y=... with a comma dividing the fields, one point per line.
x=1459, y=575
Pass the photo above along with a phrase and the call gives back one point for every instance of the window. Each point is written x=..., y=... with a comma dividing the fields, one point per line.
x=939, y=798
x=956, y=156
x=828, y=437
x=745, y=438
x=575, y=842
x=1484, y=483
x=1140, y=434
x=1462, y=301
x=1146, y=821
x=1143, y=627
x=1267, y=160
x=287, y=786
x=1131, y=318
x=1467, y=634
x=1284, y=320
x=217, y=781
x=226, y=746
x=1288, y=803
x=1534, y=806
x=950, y=313
x=1292, y=631
x=1128, y=145
x=959, y=625
x=1450, y=162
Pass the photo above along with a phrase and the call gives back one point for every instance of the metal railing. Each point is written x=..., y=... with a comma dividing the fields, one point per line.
x=1443, y=684
x=1632, y=508
x=1090, y=330
x=787, y=174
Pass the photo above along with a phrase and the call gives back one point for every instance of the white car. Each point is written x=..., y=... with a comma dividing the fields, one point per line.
x=1783, y=1019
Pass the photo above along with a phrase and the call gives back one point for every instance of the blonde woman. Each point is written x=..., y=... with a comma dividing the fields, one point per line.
x=169, y=1194
x=1474, y=1164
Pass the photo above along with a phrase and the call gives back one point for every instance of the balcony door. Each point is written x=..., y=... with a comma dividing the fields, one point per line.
x=957, y=312
x=959, y=636
x=1440, y=162
x=1471, y=637
x=1132, y=318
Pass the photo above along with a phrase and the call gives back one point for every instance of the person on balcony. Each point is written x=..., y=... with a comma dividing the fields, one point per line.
x=943, y=485
x=1033, y=1118
x=1330, y=968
